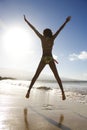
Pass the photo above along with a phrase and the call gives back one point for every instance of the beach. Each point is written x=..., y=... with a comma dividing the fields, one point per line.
x=44, y=110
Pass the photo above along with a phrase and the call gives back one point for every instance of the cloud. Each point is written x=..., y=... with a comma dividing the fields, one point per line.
x=81, y=56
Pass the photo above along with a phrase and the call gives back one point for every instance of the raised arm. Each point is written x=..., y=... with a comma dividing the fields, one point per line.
x=32, y=27
x=58, y=31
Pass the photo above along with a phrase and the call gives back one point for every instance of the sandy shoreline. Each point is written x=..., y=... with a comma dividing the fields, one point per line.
x=43, y=111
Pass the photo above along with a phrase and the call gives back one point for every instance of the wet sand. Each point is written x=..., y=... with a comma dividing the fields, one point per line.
x=44, y=110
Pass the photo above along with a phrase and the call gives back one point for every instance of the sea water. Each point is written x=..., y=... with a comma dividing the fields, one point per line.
x=74, y=90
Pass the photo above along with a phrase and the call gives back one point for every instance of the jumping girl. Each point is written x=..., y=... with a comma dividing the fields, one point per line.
x=47, y=40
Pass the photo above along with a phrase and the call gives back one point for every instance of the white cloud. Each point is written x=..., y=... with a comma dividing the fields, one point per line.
x=81, y=56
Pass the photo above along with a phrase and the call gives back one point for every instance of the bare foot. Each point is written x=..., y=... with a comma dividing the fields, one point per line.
x=27, y=95
x=63, y=96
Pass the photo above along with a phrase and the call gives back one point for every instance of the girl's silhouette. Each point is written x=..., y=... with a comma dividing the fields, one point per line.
x=47, y=40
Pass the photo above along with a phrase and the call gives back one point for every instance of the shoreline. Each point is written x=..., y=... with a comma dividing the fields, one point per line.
x=44, y=110
x=74, y=92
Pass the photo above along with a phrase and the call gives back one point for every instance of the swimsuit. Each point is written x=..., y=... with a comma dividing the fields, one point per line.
x=48, y=59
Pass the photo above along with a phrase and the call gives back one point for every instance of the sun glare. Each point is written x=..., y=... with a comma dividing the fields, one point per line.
x=17, y=40
x=19, y=46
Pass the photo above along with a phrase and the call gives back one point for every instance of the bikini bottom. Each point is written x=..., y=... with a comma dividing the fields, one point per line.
x=48, y=59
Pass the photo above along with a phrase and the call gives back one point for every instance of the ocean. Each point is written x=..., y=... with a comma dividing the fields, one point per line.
x=74, y=90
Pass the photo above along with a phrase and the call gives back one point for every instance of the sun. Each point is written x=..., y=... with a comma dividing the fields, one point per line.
x=18, y=46
x=17, y=40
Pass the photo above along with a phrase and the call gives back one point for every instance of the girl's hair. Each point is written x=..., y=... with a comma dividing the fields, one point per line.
x=47, y=33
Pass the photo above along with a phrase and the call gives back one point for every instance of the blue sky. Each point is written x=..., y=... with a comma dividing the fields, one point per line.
x=20, y=48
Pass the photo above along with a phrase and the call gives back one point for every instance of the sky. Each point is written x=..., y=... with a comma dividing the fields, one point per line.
x=20, y=48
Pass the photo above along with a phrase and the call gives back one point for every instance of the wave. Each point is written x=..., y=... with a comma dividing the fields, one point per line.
x=74, y=91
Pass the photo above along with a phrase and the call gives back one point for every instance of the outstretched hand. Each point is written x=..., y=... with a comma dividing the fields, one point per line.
x=68, y=18
x=25, y=18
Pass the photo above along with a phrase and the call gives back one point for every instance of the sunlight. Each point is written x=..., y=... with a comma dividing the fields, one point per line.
x=19, y=47
x=17, y=40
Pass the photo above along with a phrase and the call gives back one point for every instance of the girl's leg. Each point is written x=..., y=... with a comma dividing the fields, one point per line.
x=54, y=70
x=39, y=69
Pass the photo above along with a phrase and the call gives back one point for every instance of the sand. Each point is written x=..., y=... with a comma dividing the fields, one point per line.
x=44, y=110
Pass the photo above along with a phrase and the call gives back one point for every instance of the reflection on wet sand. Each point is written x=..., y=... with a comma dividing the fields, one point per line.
x=58, y=124
x=61, y=119
x=25, y=119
